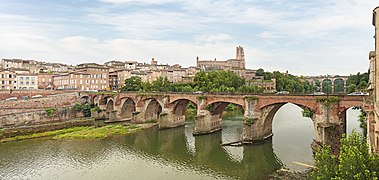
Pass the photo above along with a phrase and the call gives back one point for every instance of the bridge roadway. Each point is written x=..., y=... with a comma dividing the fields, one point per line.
x=329, y=118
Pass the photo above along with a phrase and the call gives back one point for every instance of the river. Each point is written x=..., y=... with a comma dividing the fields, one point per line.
x=167, y=154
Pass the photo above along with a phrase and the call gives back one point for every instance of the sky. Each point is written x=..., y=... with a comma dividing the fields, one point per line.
x=305, y=37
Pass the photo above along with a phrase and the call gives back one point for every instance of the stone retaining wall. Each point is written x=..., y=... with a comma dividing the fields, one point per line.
x=51, y=101
x=4, y=94
x=38, y=117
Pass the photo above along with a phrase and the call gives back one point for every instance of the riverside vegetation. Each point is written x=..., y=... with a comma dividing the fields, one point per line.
x=353, y=162
x=83, y=132
x=215, y=81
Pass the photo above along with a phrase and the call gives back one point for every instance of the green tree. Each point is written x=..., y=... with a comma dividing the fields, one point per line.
x=353, y=162
x=338, y=86
x=260, y=72
x=250, y=89
x=217, y=81
x=327, y=86
x=326, y=165
x=161, y=84
x=351, y=88
x=358, y=82
x=87, y=109
x=133, y=83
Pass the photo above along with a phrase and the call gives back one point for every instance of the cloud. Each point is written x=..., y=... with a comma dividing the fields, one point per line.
x=213, y=38
x=149, y=24
x=139, y=1
x=306, y=37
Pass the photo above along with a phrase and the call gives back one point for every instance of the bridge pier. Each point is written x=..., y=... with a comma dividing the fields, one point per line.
x=170, y=120
x=206, y=123
x=258, y=126
x=329, y=125
x=138, y=116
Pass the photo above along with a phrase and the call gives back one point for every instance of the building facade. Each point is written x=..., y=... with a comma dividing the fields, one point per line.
x=98, y=76
x=231, y=64
x=373, y=118
x=27, y=81
x=45, y=81
x=7, y=79
x=29, y=65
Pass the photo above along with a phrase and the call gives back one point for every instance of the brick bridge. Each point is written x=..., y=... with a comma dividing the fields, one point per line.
x=329, y=119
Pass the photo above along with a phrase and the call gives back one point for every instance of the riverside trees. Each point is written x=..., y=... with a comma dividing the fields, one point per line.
x=221, y=81
x=213, y=81
x=287, y=82
x=353, y=162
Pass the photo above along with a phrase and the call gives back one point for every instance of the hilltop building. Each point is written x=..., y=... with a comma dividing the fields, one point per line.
x=231, y=64
x=237, y=66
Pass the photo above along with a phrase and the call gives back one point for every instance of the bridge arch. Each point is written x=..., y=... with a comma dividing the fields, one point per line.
x=85, y=99
x=309, y=104
x=95, y=99
x=270, y=111
x=218, y=108
x=327, y=86
x=179, y=106
x=192, y=99
x=153, y=109
x=127, y=108
x=338, y=85
x=236, y=101
x=103, y=100
x=110, y=105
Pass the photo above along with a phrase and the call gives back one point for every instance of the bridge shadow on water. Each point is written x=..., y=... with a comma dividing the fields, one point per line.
x=207, y=156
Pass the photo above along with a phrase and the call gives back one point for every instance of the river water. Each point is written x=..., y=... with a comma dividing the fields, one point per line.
x=167, y=154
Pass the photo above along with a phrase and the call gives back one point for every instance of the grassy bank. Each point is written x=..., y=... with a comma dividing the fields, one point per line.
x=101, y=132
x=84, y=132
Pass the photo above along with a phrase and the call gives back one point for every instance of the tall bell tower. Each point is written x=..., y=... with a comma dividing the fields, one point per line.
x=240, y=55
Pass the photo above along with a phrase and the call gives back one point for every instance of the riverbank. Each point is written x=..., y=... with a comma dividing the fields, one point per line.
x=78, y=132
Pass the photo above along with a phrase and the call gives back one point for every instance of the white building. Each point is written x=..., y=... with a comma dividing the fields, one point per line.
x=27, y=81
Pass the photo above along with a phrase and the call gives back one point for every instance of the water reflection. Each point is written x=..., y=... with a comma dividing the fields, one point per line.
x=165, y=154
x=142, y=152
x=209, y=157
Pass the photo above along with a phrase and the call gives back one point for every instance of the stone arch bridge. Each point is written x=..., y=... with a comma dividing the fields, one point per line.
x=329, y=118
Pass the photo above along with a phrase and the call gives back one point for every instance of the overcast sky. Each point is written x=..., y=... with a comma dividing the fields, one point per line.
x=305, y=37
